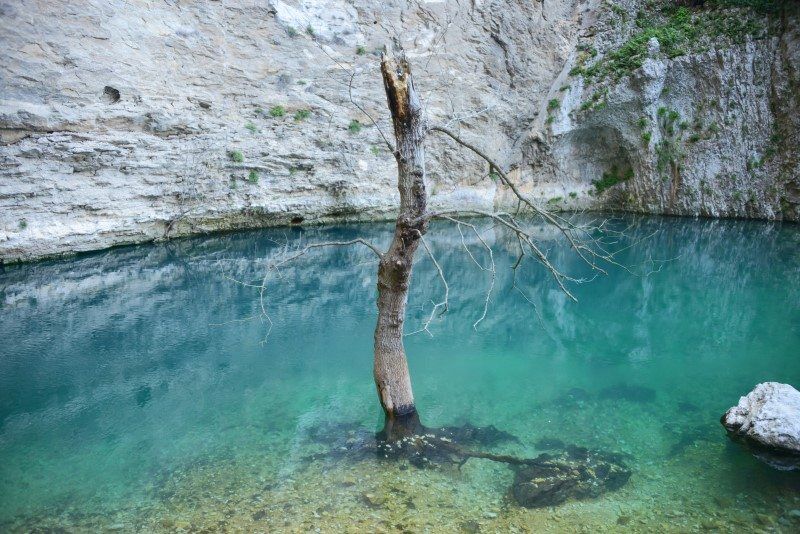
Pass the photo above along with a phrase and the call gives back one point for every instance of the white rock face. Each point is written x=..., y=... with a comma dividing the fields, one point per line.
x=768, y=416
x=123, y=121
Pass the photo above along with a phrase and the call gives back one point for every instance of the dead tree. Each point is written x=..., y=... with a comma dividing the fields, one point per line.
x=392, y=377
x=391, y=373
x=394, y=271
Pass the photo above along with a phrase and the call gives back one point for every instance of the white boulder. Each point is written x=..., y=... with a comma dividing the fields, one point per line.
x=768, y=418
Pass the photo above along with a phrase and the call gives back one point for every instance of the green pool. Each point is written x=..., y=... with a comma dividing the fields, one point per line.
x=139, y=390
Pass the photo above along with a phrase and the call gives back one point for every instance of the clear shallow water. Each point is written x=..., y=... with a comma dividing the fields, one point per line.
x=134, y=397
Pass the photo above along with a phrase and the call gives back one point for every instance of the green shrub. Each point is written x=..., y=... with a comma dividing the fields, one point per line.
x=553, y=104
x=667, y=153
x=277, y=111
x=291, y=32
x=694, y=138
x=252, y=177
x=236, y=156
x=360, y=50
x=252, y=127
x=610, y=179
x=375, y=150
x=646, y=136
x=354, y=127
x=573, y=194
x=302, y=114
x=310, y=30
x=575, y=71
x=23, y=224
x=642, y=123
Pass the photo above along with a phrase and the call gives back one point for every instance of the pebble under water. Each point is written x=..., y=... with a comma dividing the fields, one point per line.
x=138, y=392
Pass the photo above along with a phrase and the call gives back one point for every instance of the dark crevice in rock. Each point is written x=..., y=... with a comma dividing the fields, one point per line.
x=111, y=94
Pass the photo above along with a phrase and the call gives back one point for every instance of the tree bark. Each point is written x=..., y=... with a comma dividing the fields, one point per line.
x=392, y=377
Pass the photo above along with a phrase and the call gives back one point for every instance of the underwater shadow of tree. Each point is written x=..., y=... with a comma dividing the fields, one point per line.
x=572, y=472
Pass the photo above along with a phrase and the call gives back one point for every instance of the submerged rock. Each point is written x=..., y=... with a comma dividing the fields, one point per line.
x=549, y=443
x=573, y=398
x=768, y=420
x=470, y=526
x=628, y=392
x=578, y=474
x=687, y=439
x=687, y=407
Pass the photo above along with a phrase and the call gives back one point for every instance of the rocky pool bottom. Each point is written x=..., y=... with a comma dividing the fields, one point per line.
x=136, y=395
x=696, y=482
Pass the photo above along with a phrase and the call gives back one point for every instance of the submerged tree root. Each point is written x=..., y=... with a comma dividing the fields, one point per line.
x=546, y=480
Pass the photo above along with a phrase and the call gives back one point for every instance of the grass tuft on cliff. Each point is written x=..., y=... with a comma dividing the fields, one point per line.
x=302, y=114
x=610, y=179
x=354, y=127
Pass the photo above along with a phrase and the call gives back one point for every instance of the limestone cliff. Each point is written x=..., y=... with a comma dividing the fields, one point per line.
x=680, y=110
x=129, y=121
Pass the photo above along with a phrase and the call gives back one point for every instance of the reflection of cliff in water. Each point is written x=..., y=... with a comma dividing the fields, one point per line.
x=184, y=284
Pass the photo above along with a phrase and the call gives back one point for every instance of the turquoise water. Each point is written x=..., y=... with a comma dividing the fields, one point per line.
x=138, y=393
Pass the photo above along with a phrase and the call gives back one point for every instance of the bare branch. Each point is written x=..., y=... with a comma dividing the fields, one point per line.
x=525, y=238
x=559, y=222
x=443, y=304
x=491, y=267
x=304, y=251
x=389, y=145
x=275, y=267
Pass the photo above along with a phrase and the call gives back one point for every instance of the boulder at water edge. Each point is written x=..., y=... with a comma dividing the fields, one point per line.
x=768, y=420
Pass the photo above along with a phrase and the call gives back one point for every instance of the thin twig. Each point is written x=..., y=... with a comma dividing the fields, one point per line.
x=444, y=304
x=275, y=267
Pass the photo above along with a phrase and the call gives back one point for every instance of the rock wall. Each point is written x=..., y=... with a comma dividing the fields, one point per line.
x=131, y=121
x=712, y=131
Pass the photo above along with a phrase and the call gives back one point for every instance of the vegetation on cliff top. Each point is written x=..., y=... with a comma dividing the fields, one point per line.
x=679, y=30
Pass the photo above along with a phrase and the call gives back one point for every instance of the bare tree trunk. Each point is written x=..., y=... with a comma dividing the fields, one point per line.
x=394, y=272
